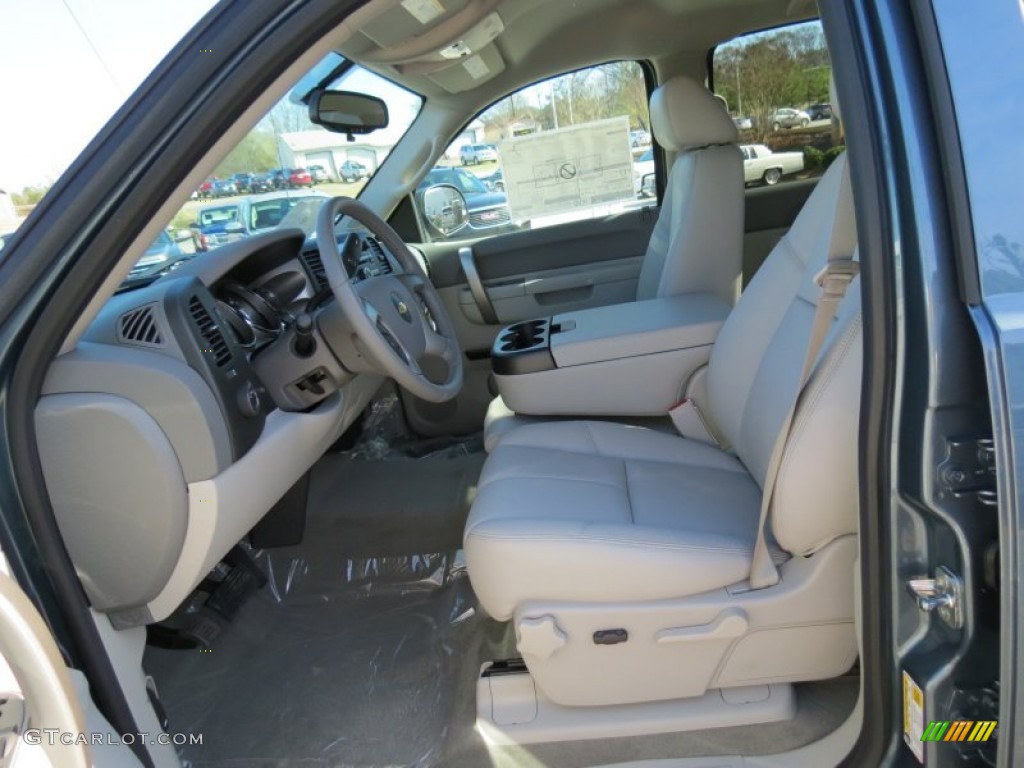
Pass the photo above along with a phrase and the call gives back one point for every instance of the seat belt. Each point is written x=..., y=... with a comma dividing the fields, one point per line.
x=834, y=280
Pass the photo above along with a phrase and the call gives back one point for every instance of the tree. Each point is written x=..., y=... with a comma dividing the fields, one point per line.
x=29, y=195
x=759, y=74
x=287, y=117
x=628, y=93
x=257, y=152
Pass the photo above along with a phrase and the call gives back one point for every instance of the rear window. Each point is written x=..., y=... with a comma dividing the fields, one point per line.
x=775, y=85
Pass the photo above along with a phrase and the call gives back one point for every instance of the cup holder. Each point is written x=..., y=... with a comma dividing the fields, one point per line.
x=523, y=348
x=523, y=336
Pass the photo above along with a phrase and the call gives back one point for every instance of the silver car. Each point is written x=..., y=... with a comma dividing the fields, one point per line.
x=788, y=117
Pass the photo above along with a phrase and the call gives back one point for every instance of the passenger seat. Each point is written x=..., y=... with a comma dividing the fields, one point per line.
x=583, y=531
x=697, y=242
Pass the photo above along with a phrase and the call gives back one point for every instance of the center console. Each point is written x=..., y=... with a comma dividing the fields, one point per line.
x=629, y=359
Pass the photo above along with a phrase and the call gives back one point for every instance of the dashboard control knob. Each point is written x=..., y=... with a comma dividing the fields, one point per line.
x=305, y=343
x=250, y=404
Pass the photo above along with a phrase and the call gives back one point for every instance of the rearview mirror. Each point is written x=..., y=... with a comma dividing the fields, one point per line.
x=347, y=112
x=444, y=208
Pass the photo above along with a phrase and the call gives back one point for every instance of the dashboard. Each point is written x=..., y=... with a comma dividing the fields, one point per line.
x=191, y=405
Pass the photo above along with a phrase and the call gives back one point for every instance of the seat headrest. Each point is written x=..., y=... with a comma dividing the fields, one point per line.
x=685, y=115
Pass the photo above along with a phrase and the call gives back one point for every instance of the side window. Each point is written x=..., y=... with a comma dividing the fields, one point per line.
x=574, y=147
x=776, y=87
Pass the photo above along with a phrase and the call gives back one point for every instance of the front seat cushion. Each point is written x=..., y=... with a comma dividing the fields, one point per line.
x=598, y=512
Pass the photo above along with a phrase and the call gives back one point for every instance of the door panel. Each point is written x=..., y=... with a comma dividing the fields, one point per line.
x=536, y=294
x=529, y=274
x=542, y=272
x=558, y=269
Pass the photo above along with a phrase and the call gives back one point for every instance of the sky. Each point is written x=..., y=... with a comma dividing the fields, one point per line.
x=46, y=62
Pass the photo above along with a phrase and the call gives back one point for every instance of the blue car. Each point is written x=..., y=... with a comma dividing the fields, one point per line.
x=223, y=223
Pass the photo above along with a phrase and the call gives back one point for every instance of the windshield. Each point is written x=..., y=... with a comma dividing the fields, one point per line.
x=210, y=216
x=162, y=242
x=282, y=171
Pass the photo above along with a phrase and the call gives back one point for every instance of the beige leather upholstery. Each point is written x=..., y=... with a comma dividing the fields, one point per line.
x=592, y=511
x=585, y=514
x=686, y=116
x=500, y=420
x=756, y=361
x=697, y=242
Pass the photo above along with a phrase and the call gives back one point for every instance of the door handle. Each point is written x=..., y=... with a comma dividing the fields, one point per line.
x=476, y=286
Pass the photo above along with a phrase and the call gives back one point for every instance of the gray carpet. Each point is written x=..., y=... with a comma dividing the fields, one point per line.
x=361, y=652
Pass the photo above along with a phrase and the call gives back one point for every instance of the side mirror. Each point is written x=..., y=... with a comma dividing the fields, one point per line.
x=347, y=112
x=444, y=208
x=647, y=185
x=234, y=227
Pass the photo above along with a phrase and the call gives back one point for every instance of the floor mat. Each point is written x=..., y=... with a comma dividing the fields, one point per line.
x=397, y=506
x=365, y=673
x=355, y=652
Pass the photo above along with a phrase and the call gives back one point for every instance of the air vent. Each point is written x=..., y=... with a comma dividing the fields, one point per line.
x=140, y=327
x=315, y=267
x=215, y=344
x=378, y=255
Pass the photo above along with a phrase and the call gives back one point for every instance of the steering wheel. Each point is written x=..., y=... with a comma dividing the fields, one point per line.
x=398, y=318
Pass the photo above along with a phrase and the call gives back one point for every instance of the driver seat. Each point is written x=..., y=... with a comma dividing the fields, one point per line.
x=622, y=554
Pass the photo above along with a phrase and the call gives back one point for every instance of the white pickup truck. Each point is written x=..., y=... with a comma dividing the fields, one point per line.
x=761, y=164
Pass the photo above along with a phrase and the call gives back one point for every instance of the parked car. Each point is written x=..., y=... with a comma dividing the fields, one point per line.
x=790, y=118
x=241, y=181
x=277, y=179
x=224, y=188
x=488, y=211
x=217, y=225
x=743, y=123
x=761, y=164
x=643, y=167
x=205, y=190
x=640, y=138
x=319, y=174
x=474, y=154
x=163, y=256
x=495, y=182
x=247, y=183
x=299, y=177
x=259, y=183
x=820, y=111
x=352, y=170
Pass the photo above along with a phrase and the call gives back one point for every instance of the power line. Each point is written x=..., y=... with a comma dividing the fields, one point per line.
x=92, y=45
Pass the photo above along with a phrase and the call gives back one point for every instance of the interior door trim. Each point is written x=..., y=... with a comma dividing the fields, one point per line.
x=476, y=286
